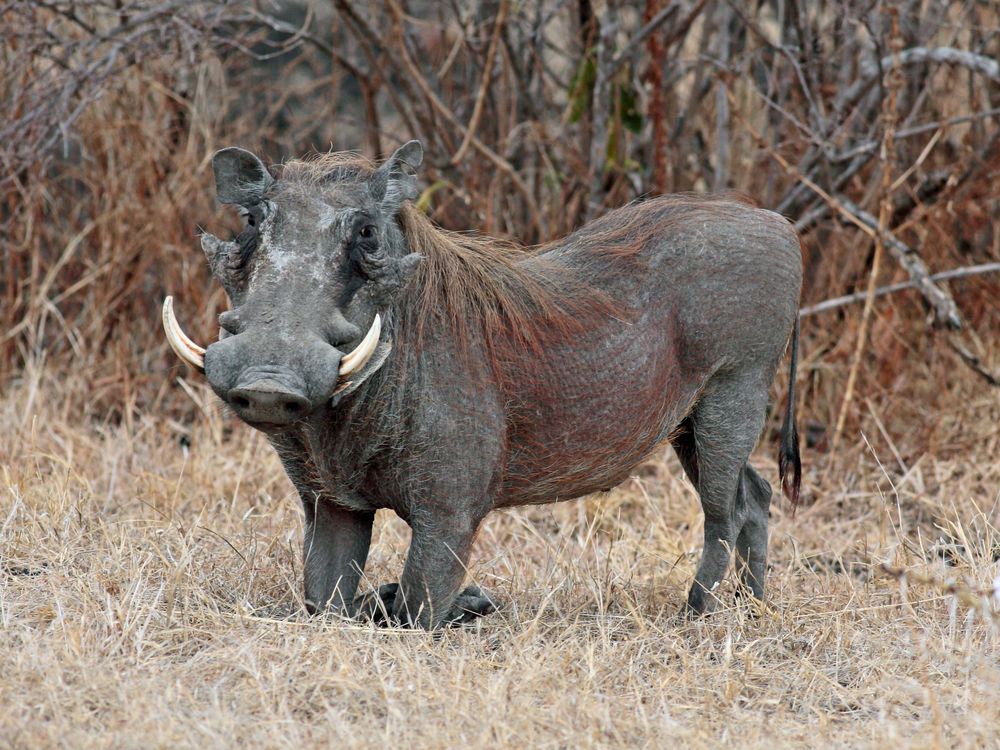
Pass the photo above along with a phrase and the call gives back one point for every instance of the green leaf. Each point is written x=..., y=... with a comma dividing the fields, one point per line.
x=631, y=116
x=424, y=201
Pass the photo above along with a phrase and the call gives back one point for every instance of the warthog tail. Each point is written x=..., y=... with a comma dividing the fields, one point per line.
x=789, y=463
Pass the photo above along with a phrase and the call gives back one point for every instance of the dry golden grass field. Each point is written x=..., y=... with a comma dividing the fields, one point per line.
x=150, y=597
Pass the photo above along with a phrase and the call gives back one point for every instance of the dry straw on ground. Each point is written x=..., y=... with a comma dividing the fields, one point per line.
x=150, y=597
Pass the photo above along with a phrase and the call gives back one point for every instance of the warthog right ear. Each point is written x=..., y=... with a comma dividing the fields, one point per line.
x=240, y=177
x=395, y=181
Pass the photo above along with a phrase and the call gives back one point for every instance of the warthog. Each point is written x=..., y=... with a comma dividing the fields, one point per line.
x=393, y=364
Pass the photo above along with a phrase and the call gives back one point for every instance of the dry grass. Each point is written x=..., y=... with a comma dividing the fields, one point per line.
x=149, y=598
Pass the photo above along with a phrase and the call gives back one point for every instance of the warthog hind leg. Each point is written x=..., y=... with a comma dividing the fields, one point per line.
x=713, y=445
x=753, y=504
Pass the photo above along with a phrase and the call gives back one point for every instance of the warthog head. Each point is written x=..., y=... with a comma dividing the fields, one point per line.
x=306, y=279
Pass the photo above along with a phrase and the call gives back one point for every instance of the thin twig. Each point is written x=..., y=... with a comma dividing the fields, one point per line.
x=972, y=360
x=495, y=158
x=721, y=172
x=893, y=83
x=600, y=104
x=477, y=109
x=848, y=299
x=869, y=72
x=793, y=171
x=945, y=309
x=916, y=130
x=635, y=43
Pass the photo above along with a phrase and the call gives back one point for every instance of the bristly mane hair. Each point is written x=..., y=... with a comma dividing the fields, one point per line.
x=527, y=297
x=515, y=295
x=330, y=167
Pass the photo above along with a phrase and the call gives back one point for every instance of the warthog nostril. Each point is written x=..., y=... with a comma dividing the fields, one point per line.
x=268, y=401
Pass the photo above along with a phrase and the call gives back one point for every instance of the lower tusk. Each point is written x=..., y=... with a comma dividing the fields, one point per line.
x=359, y=357
x=183, y=347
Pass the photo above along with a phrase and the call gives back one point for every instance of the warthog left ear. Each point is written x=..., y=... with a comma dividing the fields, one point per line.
x=240, y=177
x=395, y=181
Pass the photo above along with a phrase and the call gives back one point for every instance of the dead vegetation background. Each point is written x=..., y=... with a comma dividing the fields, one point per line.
x=149, y=545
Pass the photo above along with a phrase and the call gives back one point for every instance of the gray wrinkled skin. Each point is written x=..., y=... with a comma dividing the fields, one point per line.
x=426, y=431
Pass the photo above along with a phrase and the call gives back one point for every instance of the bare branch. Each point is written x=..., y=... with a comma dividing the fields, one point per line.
x=945, y=310
x=849, y=299
x=477, y=109
x=601, y=104
x=635, y=43
x=972, y=361
x=870, y=146
x=871, y=69
x=442, y=109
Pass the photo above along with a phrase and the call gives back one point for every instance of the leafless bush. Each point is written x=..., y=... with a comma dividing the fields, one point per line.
x=535, y=116
x=60, y=58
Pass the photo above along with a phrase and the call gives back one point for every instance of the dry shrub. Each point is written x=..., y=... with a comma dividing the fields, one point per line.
x=116, y=112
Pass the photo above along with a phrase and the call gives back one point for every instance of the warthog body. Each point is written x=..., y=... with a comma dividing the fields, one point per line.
x=500, y=376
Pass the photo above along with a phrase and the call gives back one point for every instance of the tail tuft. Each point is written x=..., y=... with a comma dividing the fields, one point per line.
x=789, y=462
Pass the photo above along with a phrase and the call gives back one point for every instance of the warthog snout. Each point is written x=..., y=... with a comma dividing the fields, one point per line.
x=274, y=377
x=268, y=401
x=269, y=384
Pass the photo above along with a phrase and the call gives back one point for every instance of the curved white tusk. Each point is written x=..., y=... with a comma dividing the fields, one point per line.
x=183, y=347
x=360, y=355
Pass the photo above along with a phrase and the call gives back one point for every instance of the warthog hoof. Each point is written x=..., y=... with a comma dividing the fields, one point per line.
x=379, y=606
x=701, y=602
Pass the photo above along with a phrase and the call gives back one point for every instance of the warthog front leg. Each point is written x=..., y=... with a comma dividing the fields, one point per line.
x=428, y=594
x=470, y=604
x=334, y=552
x=336, y=541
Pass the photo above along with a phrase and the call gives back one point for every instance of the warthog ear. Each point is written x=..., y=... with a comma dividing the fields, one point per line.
x=240, y=177
x=395, y=181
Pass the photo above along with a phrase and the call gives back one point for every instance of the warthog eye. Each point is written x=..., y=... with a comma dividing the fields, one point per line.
x=248, y=216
